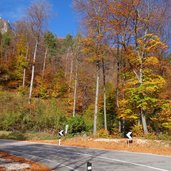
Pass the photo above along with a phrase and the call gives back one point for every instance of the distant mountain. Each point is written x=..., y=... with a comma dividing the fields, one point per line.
x=4, y=26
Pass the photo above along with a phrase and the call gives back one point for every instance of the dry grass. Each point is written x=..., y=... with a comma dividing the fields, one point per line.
x=33, y=166
x=145, y=146
x=138, y=145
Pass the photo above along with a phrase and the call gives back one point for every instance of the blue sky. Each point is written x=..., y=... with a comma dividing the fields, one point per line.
x=64, y=19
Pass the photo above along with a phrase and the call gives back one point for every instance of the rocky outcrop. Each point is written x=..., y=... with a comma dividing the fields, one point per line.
x=4, y=26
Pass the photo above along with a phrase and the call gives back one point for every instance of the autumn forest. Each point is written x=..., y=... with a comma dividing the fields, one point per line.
x=114, y=76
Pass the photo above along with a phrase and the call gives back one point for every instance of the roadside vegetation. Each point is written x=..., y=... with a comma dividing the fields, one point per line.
x=112, y=79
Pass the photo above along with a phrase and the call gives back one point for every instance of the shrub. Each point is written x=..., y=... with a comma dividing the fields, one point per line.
x=138, y=131
x=164, y=136
x=18, y=115
x=76, y=125
x=11, y=121
x=150, y=136
x=103, y=133
x=88, y=116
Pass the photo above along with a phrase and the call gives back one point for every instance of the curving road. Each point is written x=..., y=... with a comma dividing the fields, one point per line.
x=65, y=158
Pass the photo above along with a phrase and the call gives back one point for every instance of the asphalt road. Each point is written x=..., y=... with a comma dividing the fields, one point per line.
x=65, y=158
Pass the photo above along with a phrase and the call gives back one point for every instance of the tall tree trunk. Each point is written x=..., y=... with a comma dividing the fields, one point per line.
x=66, y=62
x=24, y=71
x=71, y=71
x=117, y=95
x=139, y=120
x=143, y=118
x=75, y=88
x=44, y=62
x=123, y=127
x=117, y=84
x=24, y=77
x=32, y=73
x=144, y=123
x=104, y=94
x=96, y=98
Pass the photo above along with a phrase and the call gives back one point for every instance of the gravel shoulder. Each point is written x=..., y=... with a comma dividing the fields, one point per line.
x=10, y=162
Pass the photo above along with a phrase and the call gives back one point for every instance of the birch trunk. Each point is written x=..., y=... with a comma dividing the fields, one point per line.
x=66, y=63
x=44, y=62
x=117, y=84
x=104, y=94
x=71, y=71
x=143, y=118
x=32, y=73
x=96, y=99
x=24, y=77
x=24, y=71
x=75, y=88
x=117, y=93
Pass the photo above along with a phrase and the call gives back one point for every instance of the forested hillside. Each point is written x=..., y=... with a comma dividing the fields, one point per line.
x=113, y=77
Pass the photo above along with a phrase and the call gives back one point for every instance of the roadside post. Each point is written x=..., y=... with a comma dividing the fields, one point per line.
x=66, y=129
x=61, y=134
x=89, y=166
x=129, y=138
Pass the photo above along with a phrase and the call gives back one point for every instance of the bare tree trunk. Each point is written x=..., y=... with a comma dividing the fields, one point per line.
x=117, y=84
x=117, y=93
x=44, y=62
x=24, y=77
x=120, y=126
x=75, y=88
x=143, y=118
x=24, y=71
x=104, y=94
x=96, y=99
x=33, y=68
x=123, y=127
x=71, y=71
x=66, y=63
x=139, y=120
x=144, y=123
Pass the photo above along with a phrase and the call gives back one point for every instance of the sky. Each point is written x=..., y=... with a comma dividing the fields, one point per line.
x=64, y=20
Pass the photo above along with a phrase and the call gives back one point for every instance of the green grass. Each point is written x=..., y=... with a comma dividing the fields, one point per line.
x=27, y=135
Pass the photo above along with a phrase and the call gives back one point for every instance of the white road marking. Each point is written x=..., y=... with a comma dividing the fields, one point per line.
x=112, y=159
x=136, y=164
x=121, y=161
x=106, y=158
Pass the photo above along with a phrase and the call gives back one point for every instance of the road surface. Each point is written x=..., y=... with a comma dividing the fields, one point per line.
x=65, y=158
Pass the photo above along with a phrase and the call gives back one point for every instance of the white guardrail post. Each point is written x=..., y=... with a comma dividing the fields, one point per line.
x=89, y=166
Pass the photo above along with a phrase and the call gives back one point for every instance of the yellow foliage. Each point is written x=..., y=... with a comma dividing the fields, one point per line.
x=150, y=43
x=21, y=45
x=152, y=60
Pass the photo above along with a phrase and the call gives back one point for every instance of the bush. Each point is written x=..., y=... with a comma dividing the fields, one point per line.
x=138, y=131
x=11, y=121
x=103, y=133
x=40, y=115
x=150, y=136
x=164, y=136
x=88, y=116
x=76, y=125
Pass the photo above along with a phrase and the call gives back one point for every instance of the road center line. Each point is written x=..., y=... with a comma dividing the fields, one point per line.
x=112, y=159
x=123, y=161
x=136, y=164
x=106, y=158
